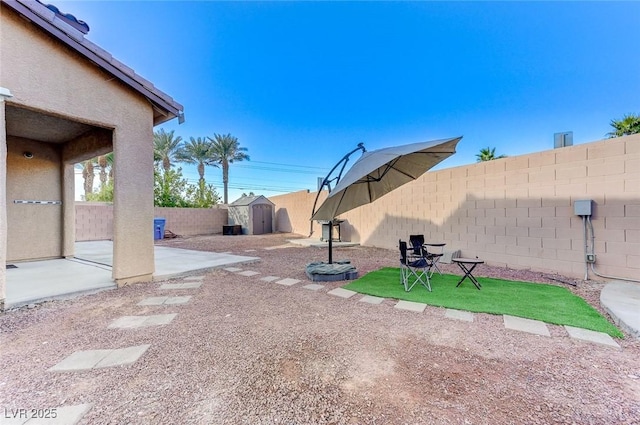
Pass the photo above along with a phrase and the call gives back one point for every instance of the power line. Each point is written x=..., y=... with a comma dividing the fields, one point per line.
x=280, y=170
x=290, y=165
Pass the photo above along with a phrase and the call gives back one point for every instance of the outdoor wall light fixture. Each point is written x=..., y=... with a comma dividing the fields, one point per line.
x=27, y=154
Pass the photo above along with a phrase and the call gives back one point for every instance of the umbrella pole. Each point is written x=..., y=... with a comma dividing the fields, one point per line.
x=331, y=242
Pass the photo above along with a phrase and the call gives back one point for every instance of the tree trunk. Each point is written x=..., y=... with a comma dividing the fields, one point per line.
x=225, y=181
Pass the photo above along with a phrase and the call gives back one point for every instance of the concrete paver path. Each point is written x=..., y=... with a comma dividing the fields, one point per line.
x=94, y=359
x=526, y=325
x=186, y=285
x=165, y=300
x=591, y=336
x=130, y=322
x=410, y=306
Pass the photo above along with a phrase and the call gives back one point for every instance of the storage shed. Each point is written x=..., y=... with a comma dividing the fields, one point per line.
x=253, y=213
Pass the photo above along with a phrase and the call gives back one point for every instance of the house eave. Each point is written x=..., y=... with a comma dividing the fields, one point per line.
x=165, y=108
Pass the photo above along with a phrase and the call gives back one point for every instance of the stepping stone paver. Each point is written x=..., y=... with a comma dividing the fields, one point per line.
x=233, y=269
x=313, y=286
x=165, y=300
x=342, y=293
x=287, y=281
x=591, y=336
x=249, y=250
x=410, y=306
x=269, y=278
x=65, y=415
x=466, y=316
x=153, y=301
x=200, y=278
x=188, y=285
x=93, y=359
x=370, y=299
x=81, y=360
x=526, y=325
x=127, y=322
x=177, y=300
x=123, y=356
x=248, y=273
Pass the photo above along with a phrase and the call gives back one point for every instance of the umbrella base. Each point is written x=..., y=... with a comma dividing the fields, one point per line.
x=324, y=272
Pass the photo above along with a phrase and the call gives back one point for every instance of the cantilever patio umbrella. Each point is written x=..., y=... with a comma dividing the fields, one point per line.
x=379, y=172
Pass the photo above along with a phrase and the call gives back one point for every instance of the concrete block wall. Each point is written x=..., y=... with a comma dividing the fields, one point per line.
x=515, y=212
x=293, y=211
x=94, y=220
x=194, y=221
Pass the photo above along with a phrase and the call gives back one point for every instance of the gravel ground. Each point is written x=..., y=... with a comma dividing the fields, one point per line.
x=244, y=351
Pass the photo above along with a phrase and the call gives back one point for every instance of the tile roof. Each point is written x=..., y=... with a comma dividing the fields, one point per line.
x=81, y=26
x=62, y=27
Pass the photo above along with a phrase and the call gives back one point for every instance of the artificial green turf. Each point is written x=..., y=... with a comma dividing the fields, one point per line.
x=548, y=303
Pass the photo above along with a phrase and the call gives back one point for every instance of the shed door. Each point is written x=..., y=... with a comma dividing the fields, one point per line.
x=262, y=214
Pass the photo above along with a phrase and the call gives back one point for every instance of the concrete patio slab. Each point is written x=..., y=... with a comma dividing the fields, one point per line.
x=269, y=278
x=622, y=301
x=186, y=285
x=410, y=306
x=526, y=325
x=129, y=322
x=591, y=336
x=64, y=415
x=370, y=299
x=287, y=281
x=38, y=281
x=313, y=286
x=465, y=316
x=169, y=262
x=90, y=271
x=342, y=293
x=248, y=273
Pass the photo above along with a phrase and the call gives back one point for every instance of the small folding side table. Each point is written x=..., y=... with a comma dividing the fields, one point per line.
x=467, y=265
x=435, y=256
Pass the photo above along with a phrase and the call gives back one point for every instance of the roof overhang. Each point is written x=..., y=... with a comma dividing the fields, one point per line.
x=164, y=107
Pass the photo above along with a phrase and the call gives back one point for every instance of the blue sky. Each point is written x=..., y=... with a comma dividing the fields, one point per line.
x=301, y=83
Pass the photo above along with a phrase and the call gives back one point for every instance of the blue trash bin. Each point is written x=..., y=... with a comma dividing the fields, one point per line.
x=158, y=228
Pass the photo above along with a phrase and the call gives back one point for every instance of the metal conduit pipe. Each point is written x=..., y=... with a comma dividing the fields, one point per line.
x=587, y=220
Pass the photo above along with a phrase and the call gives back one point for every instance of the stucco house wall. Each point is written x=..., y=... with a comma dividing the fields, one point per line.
x=514, y=212
x=36, y=229
x=71, y=101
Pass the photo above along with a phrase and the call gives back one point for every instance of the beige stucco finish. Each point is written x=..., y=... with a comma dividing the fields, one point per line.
x=97, y=114
x=3, y=202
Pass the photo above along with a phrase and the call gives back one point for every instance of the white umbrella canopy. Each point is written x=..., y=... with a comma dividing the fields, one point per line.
x=379, y=172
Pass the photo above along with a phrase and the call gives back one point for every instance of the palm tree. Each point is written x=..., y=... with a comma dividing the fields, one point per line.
x=88, y=176
x=197, y=151
x=488, y=154
x=104, y=162
x=225, y=150
x=629, y=124
x=165, y=148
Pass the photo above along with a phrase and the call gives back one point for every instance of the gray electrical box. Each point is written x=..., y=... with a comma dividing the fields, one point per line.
x=582, y=207
x=562, y=140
